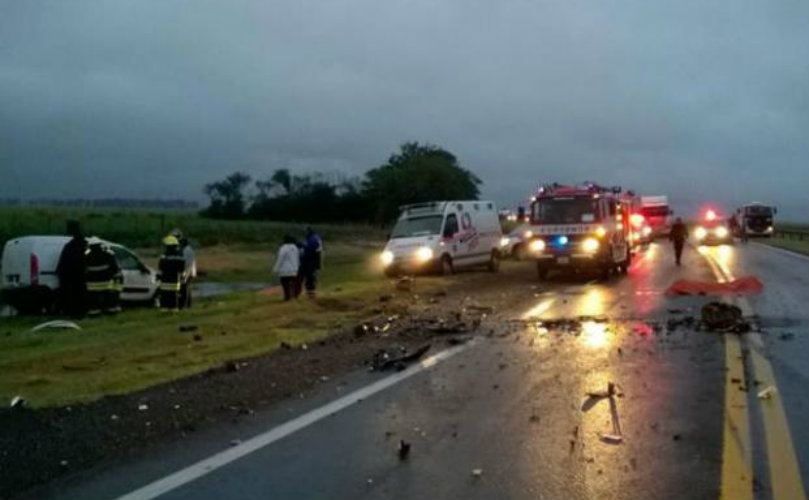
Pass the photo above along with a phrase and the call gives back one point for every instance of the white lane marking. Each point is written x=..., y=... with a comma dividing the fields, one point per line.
x=210, y=464
x=781, y=250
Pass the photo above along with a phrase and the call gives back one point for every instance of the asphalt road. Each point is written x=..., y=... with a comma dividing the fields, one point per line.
x=508, y=415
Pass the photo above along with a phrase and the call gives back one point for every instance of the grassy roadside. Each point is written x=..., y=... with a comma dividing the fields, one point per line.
x=798, y=246
x=142, y=347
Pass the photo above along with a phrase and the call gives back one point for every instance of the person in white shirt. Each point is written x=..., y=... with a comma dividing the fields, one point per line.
x=286, y=266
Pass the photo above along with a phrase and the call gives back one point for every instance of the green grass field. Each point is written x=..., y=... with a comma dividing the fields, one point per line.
x=142, y=347
x=146, y=228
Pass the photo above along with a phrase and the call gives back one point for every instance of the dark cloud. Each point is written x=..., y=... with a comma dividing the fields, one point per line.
x=153, y=98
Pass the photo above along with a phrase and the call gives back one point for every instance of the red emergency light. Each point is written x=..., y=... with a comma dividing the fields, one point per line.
x=637, y=220
x=710, y=215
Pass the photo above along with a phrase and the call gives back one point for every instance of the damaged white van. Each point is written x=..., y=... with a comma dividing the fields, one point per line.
x=443, y=236
x=29, y=281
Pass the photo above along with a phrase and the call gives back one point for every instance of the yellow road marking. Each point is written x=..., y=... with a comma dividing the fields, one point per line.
x=785, y=475
x=737, y=474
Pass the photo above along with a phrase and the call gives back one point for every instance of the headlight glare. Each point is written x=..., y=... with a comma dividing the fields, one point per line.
x=590, y=245
x=423, y=254
x=537, y=246
x=700, y=233
x=721, y=232
x=386, y=258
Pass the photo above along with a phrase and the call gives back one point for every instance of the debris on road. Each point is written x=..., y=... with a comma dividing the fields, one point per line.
x=404, y=284
x=143, y=407
x=56, y=324
x=404, y=449
x=744, y=285
x=787, y=336
x=188, y=328
x=17, y=402
x=610, y=392
x=383, y=360
x=767, y=393
x=477, y=472
x=611, y=438
x=723, y=317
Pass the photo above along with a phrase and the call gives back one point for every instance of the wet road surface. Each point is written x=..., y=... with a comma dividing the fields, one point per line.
x=508, y=415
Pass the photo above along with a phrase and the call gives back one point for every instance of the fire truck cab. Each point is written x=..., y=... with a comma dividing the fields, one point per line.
x=576, y=228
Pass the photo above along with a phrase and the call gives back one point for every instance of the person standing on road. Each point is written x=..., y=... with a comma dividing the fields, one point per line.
x=70, y=270
x=172, y=274
x=678, y=235
x=311, y=260
x=101, y=275
x=190, y=269
x=287, y=264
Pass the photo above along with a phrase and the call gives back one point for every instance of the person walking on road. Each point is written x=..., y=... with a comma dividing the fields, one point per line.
x=311, y=260
x=70, y=270
x=678, y=235
x=287, y=264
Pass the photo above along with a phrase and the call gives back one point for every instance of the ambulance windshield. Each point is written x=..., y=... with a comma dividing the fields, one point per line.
x=417, y=226
x=576, y=210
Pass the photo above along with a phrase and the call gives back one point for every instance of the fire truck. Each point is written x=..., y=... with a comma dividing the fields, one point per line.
x=581, y=227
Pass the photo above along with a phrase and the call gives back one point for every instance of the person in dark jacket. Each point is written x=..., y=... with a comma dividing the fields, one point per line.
x=102, y=275
x=70, y=270
x=311, y=260
x=678, y=235
x=172, y=274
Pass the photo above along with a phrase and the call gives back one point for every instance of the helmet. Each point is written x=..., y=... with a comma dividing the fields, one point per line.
x=171, y=241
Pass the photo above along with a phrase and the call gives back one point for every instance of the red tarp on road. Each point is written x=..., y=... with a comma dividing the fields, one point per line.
x=746, y=285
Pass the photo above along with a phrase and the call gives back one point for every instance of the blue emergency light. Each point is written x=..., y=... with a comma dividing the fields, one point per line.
x=562, y=240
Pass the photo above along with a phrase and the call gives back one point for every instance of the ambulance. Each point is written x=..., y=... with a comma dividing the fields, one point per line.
x=579, y=228
x=443, y=236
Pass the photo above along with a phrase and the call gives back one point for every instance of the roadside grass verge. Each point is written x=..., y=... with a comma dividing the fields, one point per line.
x=142, y=347
x=798, y=246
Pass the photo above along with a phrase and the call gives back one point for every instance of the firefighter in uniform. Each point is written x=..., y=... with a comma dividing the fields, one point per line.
x=101, y=274
x=172, y=274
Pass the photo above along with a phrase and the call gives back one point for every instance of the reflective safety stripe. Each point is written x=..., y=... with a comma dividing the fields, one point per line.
x=102, y=267
x=98, y=286
x=170, y=287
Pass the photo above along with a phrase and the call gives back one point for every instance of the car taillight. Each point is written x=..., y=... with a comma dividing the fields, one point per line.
x=34, y=265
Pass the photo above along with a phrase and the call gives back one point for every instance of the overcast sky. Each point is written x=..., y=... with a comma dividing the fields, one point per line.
x=154, y=98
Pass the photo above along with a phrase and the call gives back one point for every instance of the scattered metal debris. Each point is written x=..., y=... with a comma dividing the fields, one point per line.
x=188, y=328
x=17, y=402
x=723, y=317
x=384, y=360
x=404, y=449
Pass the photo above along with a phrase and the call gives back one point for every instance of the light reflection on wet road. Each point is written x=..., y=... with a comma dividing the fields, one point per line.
x=515, y=405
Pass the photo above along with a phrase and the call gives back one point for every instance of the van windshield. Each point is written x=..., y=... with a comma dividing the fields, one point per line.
x=565, y=210
x=417, y=226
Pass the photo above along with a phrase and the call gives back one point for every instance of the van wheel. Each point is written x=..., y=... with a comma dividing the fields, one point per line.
x=445, y=266
x=494, y=262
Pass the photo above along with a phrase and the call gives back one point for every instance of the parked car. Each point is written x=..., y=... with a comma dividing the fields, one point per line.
x=443, y=236
x=29, y=280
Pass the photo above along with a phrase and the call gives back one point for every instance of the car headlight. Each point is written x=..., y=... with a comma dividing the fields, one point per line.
x=423, y=254
x=504, y=241
x=700, y=233
x=590, y=245
x=600, y=231
x=769, y=229
x=527, y=234
x=721, y=232
x=386, y=258
x=537, y=246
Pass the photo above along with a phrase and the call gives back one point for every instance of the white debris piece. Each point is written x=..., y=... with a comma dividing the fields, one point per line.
x=767, y=392
x=57, y=323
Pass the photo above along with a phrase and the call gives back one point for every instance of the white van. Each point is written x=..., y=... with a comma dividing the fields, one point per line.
x=443, y=236
x=29, y=272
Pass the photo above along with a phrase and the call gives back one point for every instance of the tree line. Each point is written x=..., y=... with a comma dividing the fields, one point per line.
x=416, y=173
